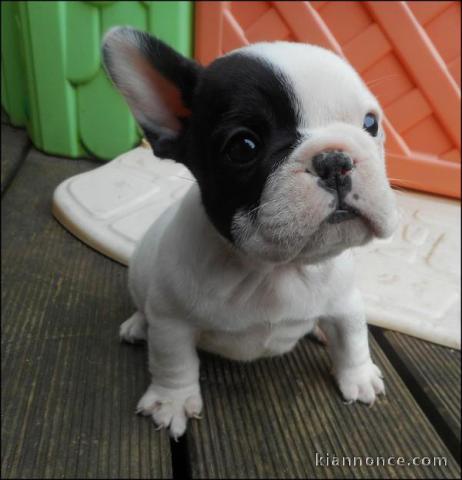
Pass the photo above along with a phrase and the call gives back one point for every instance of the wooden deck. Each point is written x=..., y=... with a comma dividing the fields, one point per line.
x=70, y=388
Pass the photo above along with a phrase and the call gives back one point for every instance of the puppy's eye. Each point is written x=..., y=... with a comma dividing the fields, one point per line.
x=242, y=148
x=370, y=124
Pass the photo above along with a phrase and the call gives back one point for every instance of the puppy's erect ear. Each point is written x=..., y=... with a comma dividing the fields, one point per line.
x=157, y=82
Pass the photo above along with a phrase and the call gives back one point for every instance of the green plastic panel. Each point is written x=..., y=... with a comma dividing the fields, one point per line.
x=52, y=79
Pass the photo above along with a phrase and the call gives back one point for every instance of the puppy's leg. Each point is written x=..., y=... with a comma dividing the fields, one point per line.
x=357, y=376
x=134, y=329
x=174, y=393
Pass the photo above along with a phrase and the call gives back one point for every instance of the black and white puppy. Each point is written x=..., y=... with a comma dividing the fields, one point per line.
x=286, y=144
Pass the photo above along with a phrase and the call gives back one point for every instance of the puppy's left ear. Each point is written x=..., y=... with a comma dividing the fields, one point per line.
x=157, y=82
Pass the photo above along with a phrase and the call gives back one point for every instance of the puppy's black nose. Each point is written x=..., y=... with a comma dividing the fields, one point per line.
x=333, y=168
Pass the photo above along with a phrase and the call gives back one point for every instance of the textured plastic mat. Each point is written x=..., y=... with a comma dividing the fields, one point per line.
x=410, y=282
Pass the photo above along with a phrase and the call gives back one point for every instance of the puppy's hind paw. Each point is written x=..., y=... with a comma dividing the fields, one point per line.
x=171, y=408
x=318, y=335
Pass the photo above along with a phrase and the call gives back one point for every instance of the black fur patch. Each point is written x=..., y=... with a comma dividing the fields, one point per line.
x=238, y=91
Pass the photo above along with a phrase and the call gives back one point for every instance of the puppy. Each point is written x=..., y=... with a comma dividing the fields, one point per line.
x=286, y=144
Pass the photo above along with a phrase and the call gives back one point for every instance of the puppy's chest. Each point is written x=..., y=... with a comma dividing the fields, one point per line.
x=261, y=316
x=261, y=298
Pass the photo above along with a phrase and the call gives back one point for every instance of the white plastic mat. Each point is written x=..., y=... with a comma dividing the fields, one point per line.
x=410, y=283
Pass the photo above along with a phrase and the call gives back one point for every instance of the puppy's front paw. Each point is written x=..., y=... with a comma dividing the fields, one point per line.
x=171, y=408
x=362, y=383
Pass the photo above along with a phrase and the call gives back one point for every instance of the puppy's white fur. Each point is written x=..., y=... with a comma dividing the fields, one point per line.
x=289, y=270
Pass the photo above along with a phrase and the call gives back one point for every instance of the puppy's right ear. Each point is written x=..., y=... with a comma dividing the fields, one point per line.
x=157, y=82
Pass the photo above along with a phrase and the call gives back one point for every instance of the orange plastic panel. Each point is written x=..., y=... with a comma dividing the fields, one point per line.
x=407, y=52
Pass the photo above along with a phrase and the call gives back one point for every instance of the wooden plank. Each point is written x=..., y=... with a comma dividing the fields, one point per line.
x=15, y=144
x=268, y=419
x=435, y=370
x=69, y=387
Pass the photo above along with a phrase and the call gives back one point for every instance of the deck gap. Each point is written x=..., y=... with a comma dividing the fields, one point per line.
x=181, y=466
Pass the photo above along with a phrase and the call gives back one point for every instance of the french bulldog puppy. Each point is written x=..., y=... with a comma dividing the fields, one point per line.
x=286, y=144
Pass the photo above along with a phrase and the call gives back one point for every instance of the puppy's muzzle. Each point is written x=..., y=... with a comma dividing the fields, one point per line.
x=333, y=169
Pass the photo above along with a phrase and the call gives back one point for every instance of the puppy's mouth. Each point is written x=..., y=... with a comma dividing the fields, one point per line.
x=342, y=213
x=345, y=212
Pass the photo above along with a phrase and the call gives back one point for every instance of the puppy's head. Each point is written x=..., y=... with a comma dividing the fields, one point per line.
x=285, y=140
